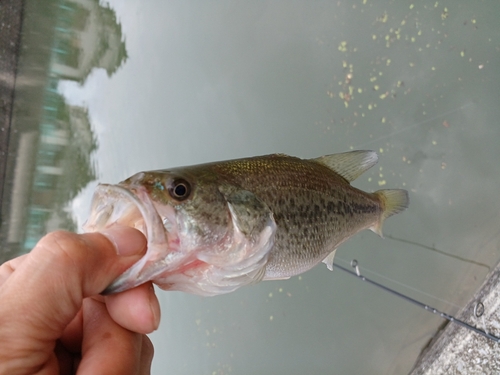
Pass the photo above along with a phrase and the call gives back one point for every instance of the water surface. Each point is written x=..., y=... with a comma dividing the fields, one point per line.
x=141, y=85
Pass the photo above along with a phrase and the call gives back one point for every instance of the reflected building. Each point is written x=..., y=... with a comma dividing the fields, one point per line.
x=89, y=37
x=51, y=142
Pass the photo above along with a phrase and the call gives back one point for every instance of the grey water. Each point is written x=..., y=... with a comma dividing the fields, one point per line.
x=107, y=89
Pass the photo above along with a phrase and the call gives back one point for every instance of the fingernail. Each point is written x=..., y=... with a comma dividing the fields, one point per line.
x=128, y=241
x=154, y=305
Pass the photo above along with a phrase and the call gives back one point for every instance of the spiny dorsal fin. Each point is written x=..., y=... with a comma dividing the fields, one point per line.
x=349, y=165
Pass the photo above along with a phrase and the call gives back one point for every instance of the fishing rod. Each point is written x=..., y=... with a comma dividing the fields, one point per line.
x=478, y=309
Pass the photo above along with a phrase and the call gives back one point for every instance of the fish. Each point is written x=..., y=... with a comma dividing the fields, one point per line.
x=213, y=228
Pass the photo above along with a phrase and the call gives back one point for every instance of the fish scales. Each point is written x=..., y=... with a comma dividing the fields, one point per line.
x=315, y=209
x=215, y=227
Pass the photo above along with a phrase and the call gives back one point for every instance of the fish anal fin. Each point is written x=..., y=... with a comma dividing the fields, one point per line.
x=349, y=165
x=329, y=260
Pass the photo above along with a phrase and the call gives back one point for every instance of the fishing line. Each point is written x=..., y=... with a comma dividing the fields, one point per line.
x=407, y=286
x=393, y=133
x=463, y=259
x=478, y=309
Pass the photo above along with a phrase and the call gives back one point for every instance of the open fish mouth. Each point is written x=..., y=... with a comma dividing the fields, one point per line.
x=114, y=204
x=131, y=206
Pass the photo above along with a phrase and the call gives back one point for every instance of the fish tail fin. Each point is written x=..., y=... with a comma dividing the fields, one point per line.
x=393, y=201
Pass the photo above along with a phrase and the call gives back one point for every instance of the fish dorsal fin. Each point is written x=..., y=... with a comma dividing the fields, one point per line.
x=349, y=165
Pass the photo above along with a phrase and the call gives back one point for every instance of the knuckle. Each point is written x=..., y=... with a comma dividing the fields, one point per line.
x=62, y=248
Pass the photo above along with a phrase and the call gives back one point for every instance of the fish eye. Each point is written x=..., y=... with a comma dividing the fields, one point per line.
x=179, y=189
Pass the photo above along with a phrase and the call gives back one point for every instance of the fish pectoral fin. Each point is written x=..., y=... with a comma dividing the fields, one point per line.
x=329, y=260
x=249, y=213
x=257, y=275
x=349, y=165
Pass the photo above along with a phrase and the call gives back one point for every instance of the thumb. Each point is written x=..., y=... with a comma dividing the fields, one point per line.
x=46, y=290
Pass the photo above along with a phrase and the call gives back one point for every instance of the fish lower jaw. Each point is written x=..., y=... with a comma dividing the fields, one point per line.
x=114, y=205
x=133, y=276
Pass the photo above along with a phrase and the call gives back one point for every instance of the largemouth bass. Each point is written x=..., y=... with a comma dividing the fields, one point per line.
x=215, y=227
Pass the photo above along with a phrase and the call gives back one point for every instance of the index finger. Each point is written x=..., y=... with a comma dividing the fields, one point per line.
x=46, y=290
x=8, y=268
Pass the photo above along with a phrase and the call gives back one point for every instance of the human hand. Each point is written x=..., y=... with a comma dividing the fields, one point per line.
x=52, y=320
